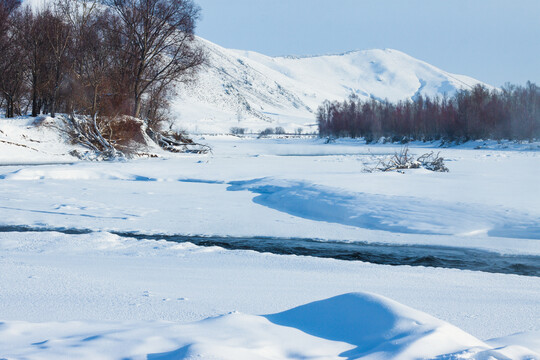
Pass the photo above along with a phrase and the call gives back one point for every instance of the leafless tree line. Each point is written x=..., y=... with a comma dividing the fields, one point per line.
x=512, y=112
x=90, y=57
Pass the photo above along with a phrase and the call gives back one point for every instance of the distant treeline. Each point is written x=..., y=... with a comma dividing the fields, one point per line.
x=512, y=112
x=112, y=57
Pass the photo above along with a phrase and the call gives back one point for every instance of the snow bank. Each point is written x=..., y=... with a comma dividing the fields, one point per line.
x=26, y=140
x=50, y=276
x=350, y=326
x=46, y=140
x=378, y=327
x=388, y=213
x=72, y=174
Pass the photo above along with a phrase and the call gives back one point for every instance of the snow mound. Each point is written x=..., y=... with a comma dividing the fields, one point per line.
x=73, y=173
x=378, y=327
x=46, y=140
x=26, y=140
x=350, y=326
x=396, y=214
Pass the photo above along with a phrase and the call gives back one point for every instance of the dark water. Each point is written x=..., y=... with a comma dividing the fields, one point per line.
x=387, y=254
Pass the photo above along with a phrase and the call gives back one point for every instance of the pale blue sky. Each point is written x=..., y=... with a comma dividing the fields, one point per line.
x=492, y=40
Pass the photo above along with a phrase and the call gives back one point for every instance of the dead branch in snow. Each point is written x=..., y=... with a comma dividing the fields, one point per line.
x=84, y=130
x=177, y=142
x=403, y=160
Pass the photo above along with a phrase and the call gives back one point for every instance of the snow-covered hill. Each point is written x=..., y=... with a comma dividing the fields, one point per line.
x=254, y=91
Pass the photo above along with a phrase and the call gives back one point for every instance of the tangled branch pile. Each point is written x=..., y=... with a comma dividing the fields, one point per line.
x=121, y=137
x=85, y=131
x=403, y=160
x=177, y=142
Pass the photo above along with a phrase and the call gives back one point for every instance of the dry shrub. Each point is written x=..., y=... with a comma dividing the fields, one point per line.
x=433, y=162
x=125, y=133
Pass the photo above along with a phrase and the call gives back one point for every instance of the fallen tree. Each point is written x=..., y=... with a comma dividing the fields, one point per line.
x=85, y=131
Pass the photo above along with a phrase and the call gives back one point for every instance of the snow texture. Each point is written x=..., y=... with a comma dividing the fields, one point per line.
x=99, y=295
x=285, y=188
x=105, y=297
x=349, y=326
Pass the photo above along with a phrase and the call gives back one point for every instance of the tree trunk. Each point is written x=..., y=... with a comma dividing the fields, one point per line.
x=137, y=107
x=137, y=88
x=9, y=109
x=94, y=101
x=35, y=109
x=55, y=91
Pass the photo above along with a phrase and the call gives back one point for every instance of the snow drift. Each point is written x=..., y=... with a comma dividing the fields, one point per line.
x=27, y=140
x=377, y=327
x=397, y=214
x=350, y=326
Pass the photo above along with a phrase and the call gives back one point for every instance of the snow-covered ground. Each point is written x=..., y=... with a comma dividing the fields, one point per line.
x=290, y=188
x=98, y=295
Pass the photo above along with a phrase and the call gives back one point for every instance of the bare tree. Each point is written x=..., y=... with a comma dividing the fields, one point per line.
x=11, y=69
x=12, y=79
x=98, y=63
x=159, y=43
x=90, y=54
x=479, y=113
x=29, y=26
x=58, y=34
x=7, y=7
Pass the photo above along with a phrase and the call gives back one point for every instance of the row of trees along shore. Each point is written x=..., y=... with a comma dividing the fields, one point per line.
x=512, y=112
x=107, y=57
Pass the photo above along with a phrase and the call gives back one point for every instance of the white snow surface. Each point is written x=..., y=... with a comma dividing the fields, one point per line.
x=101, y=296
x=254, y=91
x=355, y=325
x=98, y=296
x=24, y=141
x=288, y=188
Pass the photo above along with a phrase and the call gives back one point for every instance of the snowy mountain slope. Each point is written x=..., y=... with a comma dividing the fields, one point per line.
x=255, y=91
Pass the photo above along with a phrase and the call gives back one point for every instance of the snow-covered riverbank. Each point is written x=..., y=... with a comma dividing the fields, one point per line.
x=112, y=286
x=290, y=188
